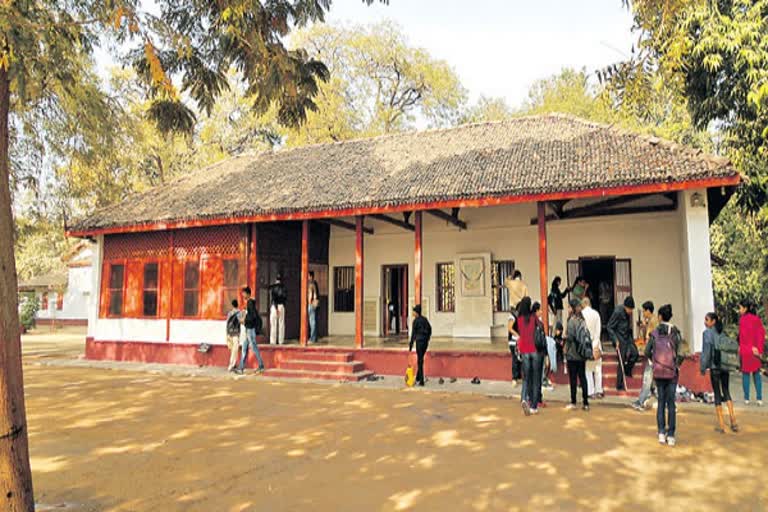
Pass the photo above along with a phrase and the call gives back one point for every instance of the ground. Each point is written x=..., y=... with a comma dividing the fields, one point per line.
x=112, y=438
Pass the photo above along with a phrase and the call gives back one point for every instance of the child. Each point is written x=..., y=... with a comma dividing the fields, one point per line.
x=233, y=334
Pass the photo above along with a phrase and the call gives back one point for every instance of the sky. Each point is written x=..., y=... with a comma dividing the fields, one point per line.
x=500, y=47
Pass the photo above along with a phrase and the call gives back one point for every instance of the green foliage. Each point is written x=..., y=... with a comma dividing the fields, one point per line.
x=379, y=84
x=28, y=308
x=487, y=109
x=39, y=245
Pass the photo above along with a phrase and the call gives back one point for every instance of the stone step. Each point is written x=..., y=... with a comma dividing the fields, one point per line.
x=302, y=374
x=318, y=355
x=322, y=366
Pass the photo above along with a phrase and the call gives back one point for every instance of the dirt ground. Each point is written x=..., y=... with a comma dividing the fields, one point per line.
x=112, y=440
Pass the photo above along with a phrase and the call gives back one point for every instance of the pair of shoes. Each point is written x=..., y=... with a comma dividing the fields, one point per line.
x=585, y=408
x=638, y=407
x=534, y=411
x=670, y=441
x=475, y=380
x=526, y=407
x=441, y=381
x=515, y=383
x=746, y=402
x=453, y=379
x=662, y=439
x=238, y=371
x=260, y=370
x=421, y=384
x=759, y=403
x=600, y=396
x=570, y=407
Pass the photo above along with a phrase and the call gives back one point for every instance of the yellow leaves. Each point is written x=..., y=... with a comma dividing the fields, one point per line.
x=6, y=56
x=130, y=16
x=118, y=20
x=156, y=71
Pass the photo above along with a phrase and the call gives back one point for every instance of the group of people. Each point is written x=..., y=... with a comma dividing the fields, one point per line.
x=244, y=324
x=579, y=344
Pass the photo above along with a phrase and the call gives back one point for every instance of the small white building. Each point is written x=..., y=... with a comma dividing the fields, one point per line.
x=64, y=296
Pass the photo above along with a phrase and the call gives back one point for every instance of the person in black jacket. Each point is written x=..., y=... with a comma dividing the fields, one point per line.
x=620, y=333
x=555, y=300
x=421, y=332
x=277, y=296
x=252, y=325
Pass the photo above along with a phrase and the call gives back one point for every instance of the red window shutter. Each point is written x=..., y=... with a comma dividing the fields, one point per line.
x=164, y=292
x=103, y=293
x=212, y=281
x=59, y=300
x=44, y=301
x=177, y=305
x=134, y=271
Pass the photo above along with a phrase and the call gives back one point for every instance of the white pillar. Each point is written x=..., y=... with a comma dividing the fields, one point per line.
x=97, y=259
x=697, y=266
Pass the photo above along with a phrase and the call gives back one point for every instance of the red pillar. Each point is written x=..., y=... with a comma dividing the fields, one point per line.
x=417, y=260
x=304, y=331
x=169, y=313
x=253, y=264
x=543, y=281
x=359, y=281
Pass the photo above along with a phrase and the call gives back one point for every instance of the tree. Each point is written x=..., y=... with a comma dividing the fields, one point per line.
x=43, y=46
x=379, y=84
x=487, y=109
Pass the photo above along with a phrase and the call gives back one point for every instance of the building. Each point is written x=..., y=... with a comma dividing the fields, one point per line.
x=436, y=217
x=64, y=295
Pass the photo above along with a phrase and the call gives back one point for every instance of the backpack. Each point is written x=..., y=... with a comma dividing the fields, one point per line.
x=726, y=354
x=664, y=356
x=540, y=339
x=233, y=325
x=584, y=346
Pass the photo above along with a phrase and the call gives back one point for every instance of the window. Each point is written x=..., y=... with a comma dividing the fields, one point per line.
x=344, y=289
x=231, y=289
x=149, y=298
x=115, y=290
x=59, y=300
x=44, y=301
x=500, y=270
x=446, y=287
x=191, y=288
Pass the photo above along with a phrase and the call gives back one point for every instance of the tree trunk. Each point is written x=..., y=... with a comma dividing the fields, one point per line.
x=15, y=475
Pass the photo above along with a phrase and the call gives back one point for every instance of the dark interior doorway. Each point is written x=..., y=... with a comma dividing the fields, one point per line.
x=600, y=274
x=394, y=286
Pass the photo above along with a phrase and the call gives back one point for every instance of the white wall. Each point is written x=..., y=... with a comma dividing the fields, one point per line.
x=506, y=233
x=697, y=267
x=77, y=295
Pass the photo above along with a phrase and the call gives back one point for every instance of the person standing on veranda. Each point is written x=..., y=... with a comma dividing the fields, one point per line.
x=277, y=295
x=421, y=332
x=595, y=366
x=577, y=336
x=516, y=287
x=313, y=301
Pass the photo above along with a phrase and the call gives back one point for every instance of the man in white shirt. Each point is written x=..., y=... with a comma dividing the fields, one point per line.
x=595, y=366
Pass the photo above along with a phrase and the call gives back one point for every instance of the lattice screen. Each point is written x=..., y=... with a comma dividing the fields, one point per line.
x=153, y=244
x=220, y=240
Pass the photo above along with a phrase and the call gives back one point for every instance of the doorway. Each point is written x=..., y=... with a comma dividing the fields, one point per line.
x=394, y=300
x=600, y=274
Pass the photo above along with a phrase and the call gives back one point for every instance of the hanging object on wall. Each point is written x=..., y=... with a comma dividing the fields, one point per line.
x=472, y=277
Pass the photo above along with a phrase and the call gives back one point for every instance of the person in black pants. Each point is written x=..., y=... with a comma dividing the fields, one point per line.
x=663, y=349
x=717, y=375
x=620, y=333
x=577, y=367
x=421, y=332
x=512, y=337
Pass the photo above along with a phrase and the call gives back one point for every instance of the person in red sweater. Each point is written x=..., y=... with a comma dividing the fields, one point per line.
x=526, y=346
x=751, y=346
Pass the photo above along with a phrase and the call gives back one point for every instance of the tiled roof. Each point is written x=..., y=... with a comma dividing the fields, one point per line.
x=53, y=280
x=523, y=156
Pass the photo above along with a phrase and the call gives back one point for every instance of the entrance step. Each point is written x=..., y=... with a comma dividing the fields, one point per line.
x=318, y=364
x=304, y=374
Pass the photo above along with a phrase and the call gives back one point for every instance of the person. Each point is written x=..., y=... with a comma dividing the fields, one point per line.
x=559, y=343
x=252, y=325
x=577, y=334
x=555, y=299
x=605, y=296
x=278, y=297
x=648, y=324
x=233, y=334
x=421, y=332
x=526, y=345
x=541, y=350
x=392, y=312
x=620, y=333
x=313, y=301
x=663, y=348
x=516, y=287
x=579, y=288
x=512, y=337
x=751, y=346
x=594, y=367
x=717, y=376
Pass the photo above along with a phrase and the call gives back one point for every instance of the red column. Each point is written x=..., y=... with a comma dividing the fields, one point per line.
x=543, y=282
x=304, y=331
x=359, y=281
x=417, y=260
x=170, y=289
x=253, y=265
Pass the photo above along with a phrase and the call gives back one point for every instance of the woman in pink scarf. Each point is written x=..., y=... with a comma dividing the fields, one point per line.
x=751, y=345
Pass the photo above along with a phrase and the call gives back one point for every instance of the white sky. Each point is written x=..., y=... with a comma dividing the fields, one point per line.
x=500, y=47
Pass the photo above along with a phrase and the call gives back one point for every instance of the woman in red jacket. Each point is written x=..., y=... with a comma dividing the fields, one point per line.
x=751, y=345
x=526, y=346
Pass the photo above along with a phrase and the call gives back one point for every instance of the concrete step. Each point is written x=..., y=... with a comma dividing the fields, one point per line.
x=322, y=366
x=302, y=374
x=318, y=355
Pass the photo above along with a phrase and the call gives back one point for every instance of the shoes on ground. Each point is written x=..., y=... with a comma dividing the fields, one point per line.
x=746, y=402
x=638, y=407
x=662, y=439
x=585, y=408
x=475, y=380
x=534, y=411
x=671, y=441
x=759, y=403
x=526, y=407
x=570, y=407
